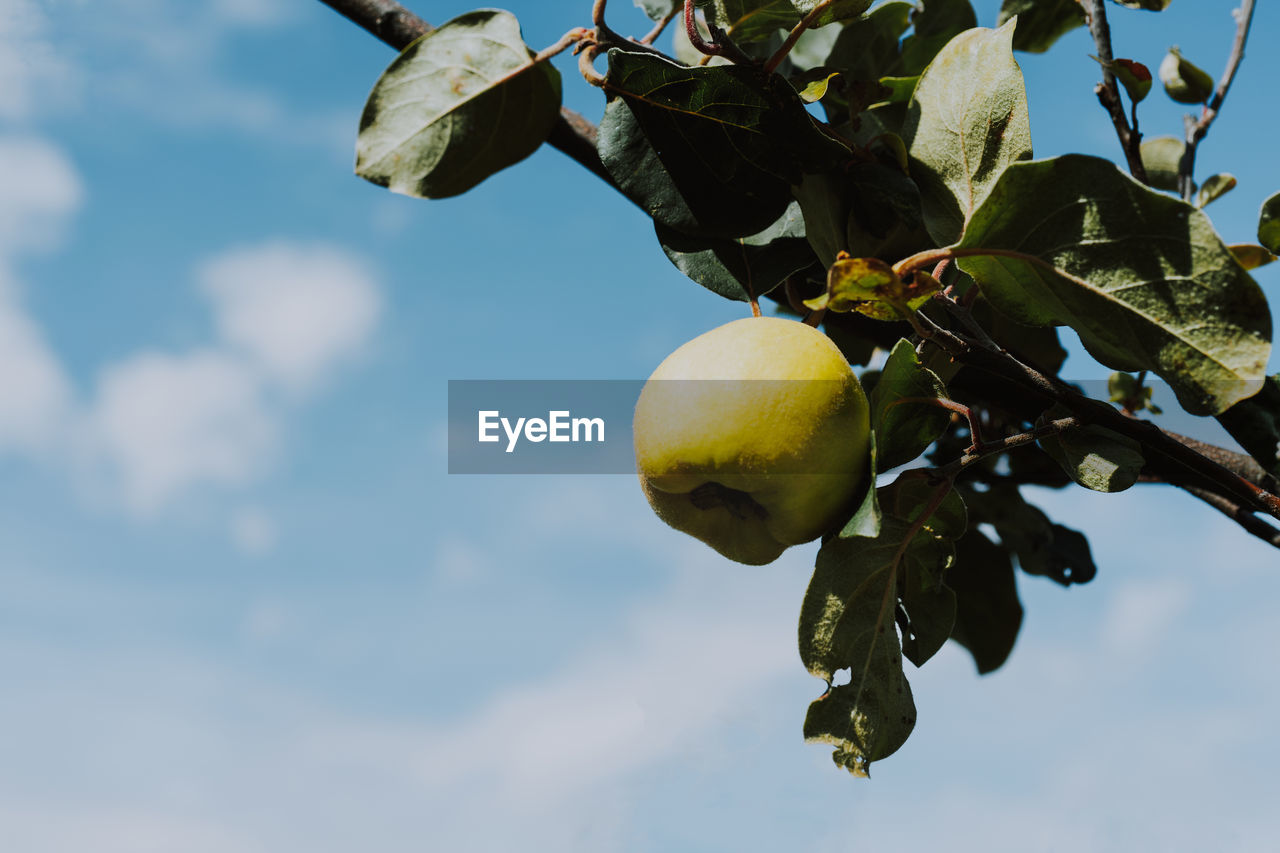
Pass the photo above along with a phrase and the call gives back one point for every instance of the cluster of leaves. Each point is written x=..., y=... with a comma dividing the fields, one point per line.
x=923, y=153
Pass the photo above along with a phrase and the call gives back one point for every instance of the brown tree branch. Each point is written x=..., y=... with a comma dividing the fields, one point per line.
x=1166, y=456
x=1109, y=93
x=1196, y=130
x=398, y=27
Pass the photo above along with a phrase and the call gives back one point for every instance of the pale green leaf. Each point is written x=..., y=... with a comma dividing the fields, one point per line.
x=967, y=121
x=1161, y=157
x=1141, y=276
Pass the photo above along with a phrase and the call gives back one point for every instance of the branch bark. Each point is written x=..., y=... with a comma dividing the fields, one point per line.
x=1196, y=130
x=398, y=27
x=1109, y=93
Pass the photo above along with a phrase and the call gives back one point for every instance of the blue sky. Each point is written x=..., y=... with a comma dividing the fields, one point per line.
x=244, y=608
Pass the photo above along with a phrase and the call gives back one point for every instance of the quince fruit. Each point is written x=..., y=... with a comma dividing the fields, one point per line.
x=753, y=437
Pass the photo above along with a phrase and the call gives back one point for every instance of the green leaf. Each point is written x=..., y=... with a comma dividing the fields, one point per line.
x=988, y=612
x=708, y=152
x=1269, y=223
x=830, y=11
x=1215, y=187
x=1161, y=157
x=966, y=122
x=1183, y=80
x=1037, y=346
x=906, y=430
x=747, y=21
x=1094, y=457
x=900, y=89
x=1040, y=22
x=658, y=9
x=865, y=521
x=847, y=621
x=459, y=104
x=1250, y=256
x=869, y=210
x=1042, y=547
x=1149, y=5
x=1255, y=423
x=870, y=717
x=744, y=267
x=867, y=48
x=935, y=23
x=1142, y=277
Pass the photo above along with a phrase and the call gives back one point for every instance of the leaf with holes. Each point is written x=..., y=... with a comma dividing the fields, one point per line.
x=1141, y=276
x=966, y=123
x=849, y=616
x=459, y=104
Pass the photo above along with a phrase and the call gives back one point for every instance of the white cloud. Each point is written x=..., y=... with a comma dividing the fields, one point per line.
x=41, y=191
x=163, y=423
x=293, y=310
x=157, y=424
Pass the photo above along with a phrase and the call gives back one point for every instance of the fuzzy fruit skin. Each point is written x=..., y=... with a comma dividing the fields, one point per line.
x=786, y=423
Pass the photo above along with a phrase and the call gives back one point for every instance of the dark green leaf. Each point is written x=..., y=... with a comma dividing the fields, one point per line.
x=1149, y=5
x=870, y=717
x=1215, y=187
x=710, y=151
x=459, y=104
x=966, y=123
x=1269, y=224
x=1040, y=22
x=870, y=210
x=865, y=521
x=847, y=620
x=744, y=267
x=988, y=612
x=867, y=48
x=1161, y=157
x=830, y=11
x=1255, y=423
x=905, y=430
x=1142, y=277
x=747, y=21
x=935, y=22
x=1037, y=346
x=1095, y=457
x=1042, y=547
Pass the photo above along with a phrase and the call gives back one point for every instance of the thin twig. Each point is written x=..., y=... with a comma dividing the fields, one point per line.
x=720, y=44
x=979, y=452
x=398, y=27
x=1166, y=455
x=653, y=34
x=794, y=36
x=1109, y=93
x=1251, y=523
x=1196, y=130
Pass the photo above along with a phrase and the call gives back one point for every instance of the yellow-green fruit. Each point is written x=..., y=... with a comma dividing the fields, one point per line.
x=753, y=437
